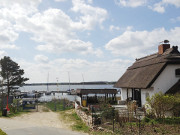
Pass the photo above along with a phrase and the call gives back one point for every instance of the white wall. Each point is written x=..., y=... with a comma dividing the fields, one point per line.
x=144, y=93
x=164, y=82
x=166, y=79
x=124, y=93
x=78, y=98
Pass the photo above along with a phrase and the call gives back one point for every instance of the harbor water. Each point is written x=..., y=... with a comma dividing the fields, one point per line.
x=61, y=88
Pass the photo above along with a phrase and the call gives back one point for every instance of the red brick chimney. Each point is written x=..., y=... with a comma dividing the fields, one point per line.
x=163, y=46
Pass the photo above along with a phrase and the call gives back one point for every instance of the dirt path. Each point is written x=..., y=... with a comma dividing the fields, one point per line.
x=40, y=119
x=36, y=123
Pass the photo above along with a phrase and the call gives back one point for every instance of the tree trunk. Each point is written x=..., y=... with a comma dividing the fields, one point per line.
x=8, y=87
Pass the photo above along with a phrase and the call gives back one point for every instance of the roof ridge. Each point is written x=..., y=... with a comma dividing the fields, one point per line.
x=146, y=56
x=145, y=65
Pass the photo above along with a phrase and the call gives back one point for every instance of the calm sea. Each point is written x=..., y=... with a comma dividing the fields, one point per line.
x=61, y=88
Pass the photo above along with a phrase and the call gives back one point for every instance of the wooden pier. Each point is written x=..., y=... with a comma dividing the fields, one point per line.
x=37, y=94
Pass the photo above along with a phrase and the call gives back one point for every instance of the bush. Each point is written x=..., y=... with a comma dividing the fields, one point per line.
x=160, y=104
x=2, y=133
x=175, y=120
x=176, y=107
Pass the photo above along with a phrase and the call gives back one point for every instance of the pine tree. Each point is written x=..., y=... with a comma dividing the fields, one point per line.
x=11, y=74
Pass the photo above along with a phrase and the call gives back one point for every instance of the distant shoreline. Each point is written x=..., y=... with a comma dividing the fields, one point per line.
x=74, y=83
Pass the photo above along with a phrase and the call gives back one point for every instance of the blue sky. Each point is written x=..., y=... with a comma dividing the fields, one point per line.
x=96, y=38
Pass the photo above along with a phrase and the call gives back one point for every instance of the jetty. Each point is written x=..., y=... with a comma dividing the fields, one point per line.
x=36, y=94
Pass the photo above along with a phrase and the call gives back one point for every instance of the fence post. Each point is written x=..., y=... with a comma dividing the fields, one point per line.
x=54, y=105
x=17, y=105
x=64, y=104
x=37, y=106
x=92, y=111
x=139, y=125
x=113, y=117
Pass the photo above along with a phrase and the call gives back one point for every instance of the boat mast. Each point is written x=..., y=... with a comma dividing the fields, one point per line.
x=83, y=80
x=57, y=84
x=69, y=81
x=47, y=82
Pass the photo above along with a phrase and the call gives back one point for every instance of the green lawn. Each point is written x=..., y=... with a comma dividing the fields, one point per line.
x=59, y=105
x=70, y=116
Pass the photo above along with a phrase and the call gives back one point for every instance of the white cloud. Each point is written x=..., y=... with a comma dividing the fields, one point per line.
x=56, y=32
x=174, y=20
x=90, y=1
x=157, y=6
x=140, y=43
x=60, y=0
x=160, y=6
x=109, y=70
x=172, y=2
x=41, y=59
x=2, y=54
x=10, y=12
x=91, y=16
x=131, y=3
x=19, y=7
x=112, y=28
x=129, y=28
x=7, y=35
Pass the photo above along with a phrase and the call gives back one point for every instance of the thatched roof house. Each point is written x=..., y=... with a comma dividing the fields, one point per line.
x=150, y=74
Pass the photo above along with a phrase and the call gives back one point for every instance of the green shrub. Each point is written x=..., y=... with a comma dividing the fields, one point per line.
x=2, y=133
x=160, y=104
x=176, y=107
x=174, y=120
x=146, y=119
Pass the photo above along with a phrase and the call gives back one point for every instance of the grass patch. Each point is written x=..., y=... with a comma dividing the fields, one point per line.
x=77, y=123
x=169, y=121
x=15, y=114
x=45, y=110
x=2, y=133
x=59, y=105
x=175, y=120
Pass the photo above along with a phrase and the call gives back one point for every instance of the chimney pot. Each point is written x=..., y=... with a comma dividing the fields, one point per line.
x=162, y=47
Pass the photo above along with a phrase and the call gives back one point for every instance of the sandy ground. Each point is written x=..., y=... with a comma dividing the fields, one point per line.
x=37, y=123
x=34, y=119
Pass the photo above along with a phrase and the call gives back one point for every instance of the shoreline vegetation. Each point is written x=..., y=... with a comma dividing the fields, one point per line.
x=73, y=83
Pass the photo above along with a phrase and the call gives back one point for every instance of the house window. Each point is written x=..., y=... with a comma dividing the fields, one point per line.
x=177, y=72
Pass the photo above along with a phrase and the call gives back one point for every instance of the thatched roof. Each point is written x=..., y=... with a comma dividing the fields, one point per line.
x=145, y=71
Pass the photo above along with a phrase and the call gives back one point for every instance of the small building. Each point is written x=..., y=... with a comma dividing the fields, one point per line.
x=159, y=72
x=92, y=96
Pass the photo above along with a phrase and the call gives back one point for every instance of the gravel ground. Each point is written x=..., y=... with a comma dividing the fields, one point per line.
x=36, y=123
